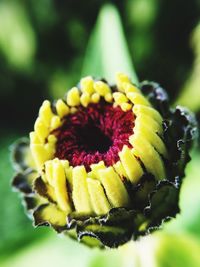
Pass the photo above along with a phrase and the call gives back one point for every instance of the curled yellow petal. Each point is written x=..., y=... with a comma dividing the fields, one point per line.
x=80, y=194
x=85, y=99
x=130, y=88
x=101, y=88
x=137, y=98
x=73, y=97
x=49, y=172
x=61, y=186
x=119, y=169
x=155, y=140
x=40, y=155
x=119, y=98
x=41, y=129
x=126, y=106
x=61, y=108
x=45, y=112
x=149, y=111
x=34, y=139
x=87, y=85
x=121, y=79
x=148, y=155
x=114, y=187
x=95, y=168
x=108, y=97
x=98, y=198
x=55, y=122
x=131, y=165
x=95, y=98
x=146, y=120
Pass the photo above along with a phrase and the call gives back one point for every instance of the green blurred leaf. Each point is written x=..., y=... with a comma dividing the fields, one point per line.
x=168, y=250
x=177, y=251
x=16, y=230
x=63, y=252
x=190, y=95
x=17, y=38
x=188, y=219
x=107, y=51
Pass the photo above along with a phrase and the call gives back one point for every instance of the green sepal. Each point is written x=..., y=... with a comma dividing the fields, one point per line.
x=157, y=96
x=22, y=181
x=30, y=202
x=41, y=220
x=140, y=192
x=163, y=203
x=180, y=130
x=115, y=228
x=19, y=151
x=41, y=188
x=109, y=236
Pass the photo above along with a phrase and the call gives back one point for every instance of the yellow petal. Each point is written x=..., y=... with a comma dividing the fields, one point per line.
x=61, y=186
x=95, y=168
x=55, y=122
x=87, y=85
x=34, y=139
x=137, y=98
x=101, y=88
x=146, y=120
x=119, y=98
x=108, y=97
x=130, y=88
x=85, y=99
x=147, y=133
x=45, y=112
x=98, y=198
x=40, y=155
x=73, y=97
x=149, y=111
x=61, y=108
x=121, y=78
x=80, y=193
x=95, y=98
x=49, y=172
x=114, y=187
x=119, y=169
x=126, y=106
x=41, y=129
x=131, y=165
x=148, y=155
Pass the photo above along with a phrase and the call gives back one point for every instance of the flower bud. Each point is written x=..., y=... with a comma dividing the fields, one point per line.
x=105, y=164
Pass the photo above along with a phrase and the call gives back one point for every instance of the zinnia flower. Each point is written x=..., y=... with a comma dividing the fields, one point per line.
x=105, y=163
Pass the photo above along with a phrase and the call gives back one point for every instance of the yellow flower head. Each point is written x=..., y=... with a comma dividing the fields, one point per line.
x=102, y=163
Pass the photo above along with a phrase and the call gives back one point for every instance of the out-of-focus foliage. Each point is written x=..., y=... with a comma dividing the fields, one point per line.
x=183, y=253
x=158, y=34
x=42, y=47
x=17, y=38
x=16, y=230
x=190, y=96
x=188, y=219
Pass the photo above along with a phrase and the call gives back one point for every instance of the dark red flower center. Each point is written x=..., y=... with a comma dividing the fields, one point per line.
x=95, y=133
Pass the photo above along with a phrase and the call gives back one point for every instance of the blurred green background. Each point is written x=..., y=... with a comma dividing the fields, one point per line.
x=45, y=47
